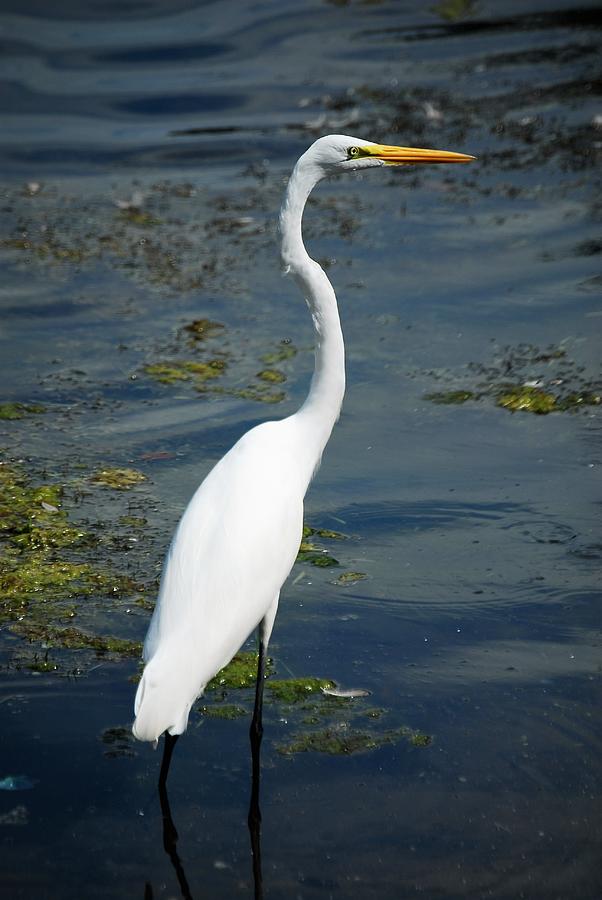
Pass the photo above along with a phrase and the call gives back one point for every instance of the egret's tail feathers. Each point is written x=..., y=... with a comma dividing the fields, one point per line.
x=161, y=704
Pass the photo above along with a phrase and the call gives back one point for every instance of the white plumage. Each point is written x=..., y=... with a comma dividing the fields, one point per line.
x=239, y=536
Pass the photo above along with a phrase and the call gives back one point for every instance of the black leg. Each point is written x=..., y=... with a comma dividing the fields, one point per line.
x=254, y=818
x=256, y=723
x=168, y=747
x=256, y=733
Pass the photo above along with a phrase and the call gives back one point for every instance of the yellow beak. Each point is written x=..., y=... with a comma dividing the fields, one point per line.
x=404, y=156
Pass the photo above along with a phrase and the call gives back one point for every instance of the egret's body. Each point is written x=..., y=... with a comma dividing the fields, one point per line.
x=239, y=536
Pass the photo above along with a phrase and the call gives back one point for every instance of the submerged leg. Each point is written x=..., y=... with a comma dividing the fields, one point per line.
x=170, y=833
x=254, y=818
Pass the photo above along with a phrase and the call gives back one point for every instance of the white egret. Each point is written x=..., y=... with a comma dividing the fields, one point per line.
x=239, y=536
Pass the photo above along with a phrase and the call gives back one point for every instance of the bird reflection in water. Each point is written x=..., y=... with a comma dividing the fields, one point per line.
x=170, y=832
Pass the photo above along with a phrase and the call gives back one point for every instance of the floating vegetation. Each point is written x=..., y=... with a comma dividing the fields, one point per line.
x=167, y=373
x=342, y=740
x=185, y=370
x=201, y=335
x=118, y=479
x=53, y=536
x=22, y=505
x=273, y=376
x=241, y=672
x=417, y=738
x=529, y=399
x=306, y=701
x=43, y=576
x=334, y=741
x=308, y=531
x=74, y=639
x=284, y=352
x=17, y=410
x=227, y=711
x=24, y=579
x=296, y=690
x=350, y=577
x=312, y=553
x=322, y=560
x=536, y=400
x=528, y=379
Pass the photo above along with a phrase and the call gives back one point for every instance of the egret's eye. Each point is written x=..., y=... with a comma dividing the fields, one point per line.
x=353, y=152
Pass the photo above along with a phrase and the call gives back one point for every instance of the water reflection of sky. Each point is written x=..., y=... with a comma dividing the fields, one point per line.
x=478, y=620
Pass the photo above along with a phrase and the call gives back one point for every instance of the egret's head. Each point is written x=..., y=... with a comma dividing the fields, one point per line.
x=341, y=152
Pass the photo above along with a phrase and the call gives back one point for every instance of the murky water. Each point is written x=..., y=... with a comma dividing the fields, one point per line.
x=144, y=150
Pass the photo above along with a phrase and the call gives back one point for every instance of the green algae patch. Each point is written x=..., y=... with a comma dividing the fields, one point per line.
x=45, y=574
x=166, y=373
x=321, y=560
x=185, y=370
x=241, y=672
x=333, y=741
x=296, y=690
x=203, y=371
x=528, y=399
x=226, y=711
x=312, y=553
x=117, y=478
x=272, y=376
x=342, y=740
x=527, y=378
x=54, y=536
x=449, y=398
x=284, y=352
x=418, y=738
x=38, y=576
x=23, y=506
x=17, y=410
x=309, y=531
x=33, y=526
x=70, y=638
x=306, y=547
x=350, y=577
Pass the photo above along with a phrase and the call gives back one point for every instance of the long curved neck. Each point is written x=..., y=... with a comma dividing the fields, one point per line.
x=323, y=404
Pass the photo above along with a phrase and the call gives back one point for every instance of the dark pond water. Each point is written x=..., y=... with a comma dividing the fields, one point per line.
x=144, y=150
